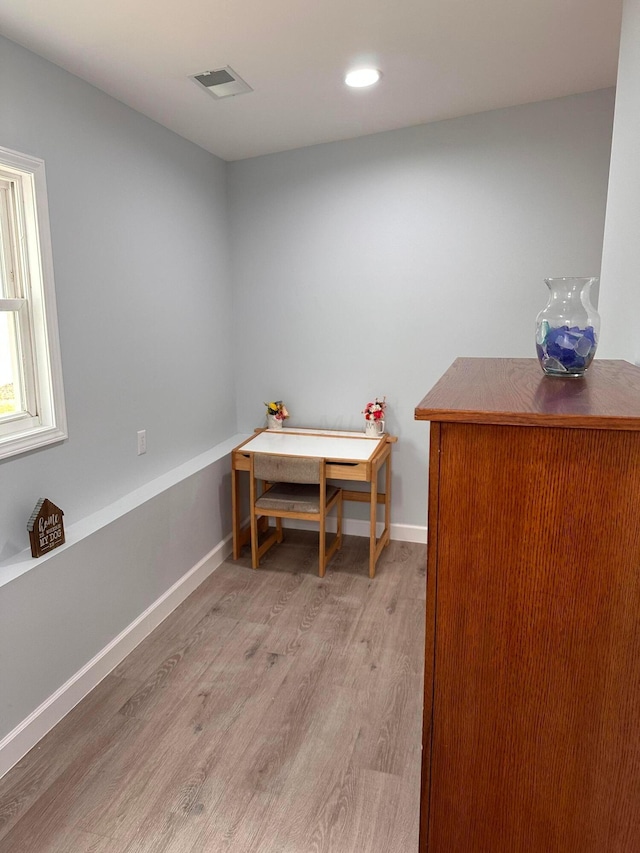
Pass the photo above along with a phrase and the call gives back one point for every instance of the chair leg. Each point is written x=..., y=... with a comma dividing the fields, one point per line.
x=255, y=559
x=336, y=541
x=322, y=563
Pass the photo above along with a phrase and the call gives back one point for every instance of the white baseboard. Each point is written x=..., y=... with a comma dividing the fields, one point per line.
x=399, y=532
x=32, y=729
x=360, y=527
x=409, y=533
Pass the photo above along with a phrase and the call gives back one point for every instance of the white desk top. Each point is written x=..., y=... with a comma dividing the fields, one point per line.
x=327, y=444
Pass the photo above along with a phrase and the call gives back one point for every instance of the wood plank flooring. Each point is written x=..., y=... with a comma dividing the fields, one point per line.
x=272, y=712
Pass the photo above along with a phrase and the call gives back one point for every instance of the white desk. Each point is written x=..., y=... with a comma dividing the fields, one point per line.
x=348, y=455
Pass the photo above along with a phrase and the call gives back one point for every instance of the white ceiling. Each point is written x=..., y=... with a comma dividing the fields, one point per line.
x=439, y=58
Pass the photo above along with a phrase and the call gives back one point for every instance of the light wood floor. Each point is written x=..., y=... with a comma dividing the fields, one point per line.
x=272, y=712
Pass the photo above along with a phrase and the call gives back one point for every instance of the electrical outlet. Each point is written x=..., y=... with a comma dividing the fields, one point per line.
x=142, y=441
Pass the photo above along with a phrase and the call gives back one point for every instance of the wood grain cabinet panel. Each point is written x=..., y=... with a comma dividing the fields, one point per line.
x=532, y=667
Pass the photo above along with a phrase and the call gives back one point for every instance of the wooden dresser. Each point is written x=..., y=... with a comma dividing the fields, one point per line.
x=532, y=672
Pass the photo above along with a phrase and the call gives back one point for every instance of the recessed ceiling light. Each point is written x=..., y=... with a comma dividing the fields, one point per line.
x=362, y=77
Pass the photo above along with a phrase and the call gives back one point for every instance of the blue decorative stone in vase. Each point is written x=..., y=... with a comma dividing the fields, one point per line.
x=567, y=328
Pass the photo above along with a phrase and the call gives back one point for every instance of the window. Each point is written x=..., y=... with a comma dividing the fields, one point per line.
x=32, y=410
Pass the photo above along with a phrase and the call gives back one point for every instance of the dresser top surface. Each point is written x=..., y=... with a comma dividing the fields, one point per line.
x=515, y=391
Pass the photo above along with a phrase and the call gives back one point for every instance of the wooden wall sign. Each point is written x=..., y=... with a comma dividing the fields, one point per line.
x=46, y=530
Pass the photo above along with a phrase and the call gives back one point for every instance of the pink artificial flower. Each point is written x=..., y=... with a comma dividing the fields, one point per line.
x=374, y=411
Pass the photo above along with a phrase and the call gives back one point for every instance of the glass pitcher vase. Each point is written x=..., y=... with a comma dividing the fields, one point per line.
x=567, y=329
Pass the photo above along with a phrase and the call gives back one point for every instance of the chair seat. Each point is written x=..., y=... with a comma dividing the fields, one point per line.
x=294, y=497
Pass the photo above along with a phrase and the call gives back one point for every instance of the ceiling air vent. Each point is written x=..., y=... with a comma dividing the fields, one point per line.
x=222, y=83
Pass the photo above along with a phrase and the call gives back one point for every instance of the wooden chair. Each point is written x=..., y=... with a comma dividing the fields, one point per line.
x=294, y=487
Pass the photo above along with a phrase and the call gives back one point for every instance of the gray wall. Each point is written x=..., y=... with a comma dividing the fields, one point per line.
x=140, y=246
x=141, y=259
x=366, y=267
x=69, y=607
x=620, y=287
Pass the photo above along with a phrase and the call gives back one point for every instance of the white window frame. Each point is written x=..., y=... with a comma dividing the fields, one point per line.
x=43, y=420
